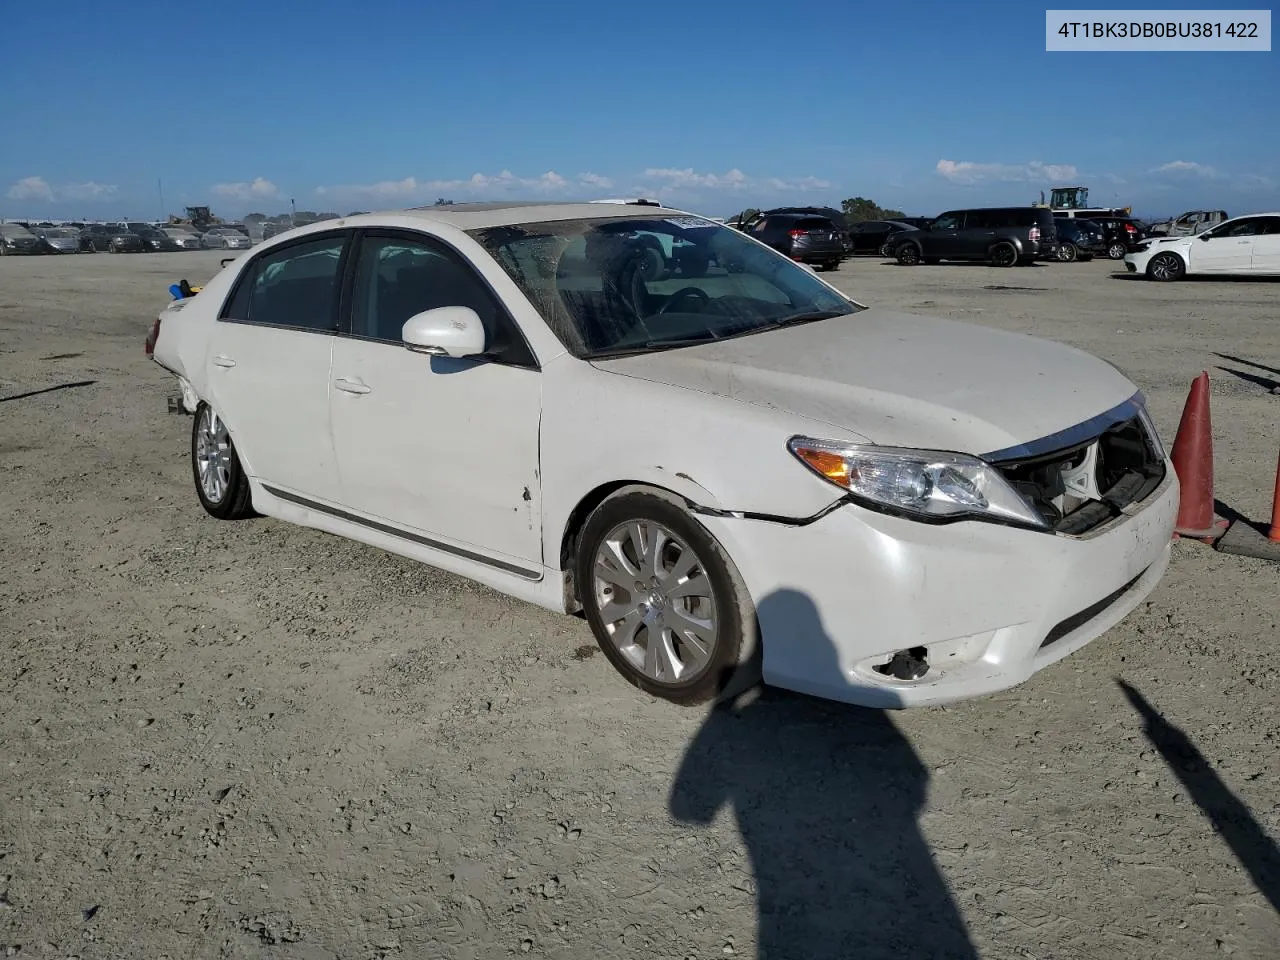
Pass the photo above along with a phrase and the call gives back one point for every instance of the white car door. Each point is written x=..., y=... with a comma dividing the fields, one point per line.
x=1224, y=249
x=1266, y=248
x=268, y=365
x=444, y=447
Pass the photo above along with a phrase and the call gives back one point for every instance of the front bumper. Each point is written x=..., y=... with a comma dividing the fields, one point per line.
x=992, y=604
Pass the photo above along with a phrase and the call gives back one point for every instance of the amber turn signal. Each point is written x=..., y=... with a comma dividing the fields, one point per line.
x=830, y=465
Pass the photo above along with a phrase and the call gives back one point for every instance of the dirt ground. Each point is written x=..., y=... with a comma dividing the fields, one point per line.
x=253, y=740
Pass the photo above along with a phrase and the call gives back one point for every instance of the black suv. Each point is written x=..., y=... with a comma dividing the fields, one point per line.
x=803, y=237
x=1121, y=234
x=1001, y=236
x=1079, y=239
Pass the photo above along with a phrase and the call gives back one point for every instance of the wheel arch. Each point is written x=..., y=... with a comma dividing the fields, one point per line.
x=679, y=488
x=1012, y=241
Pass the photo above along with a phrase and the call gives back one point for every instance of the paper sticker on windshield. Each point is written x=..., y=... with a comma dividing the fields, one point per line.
x=687, y=222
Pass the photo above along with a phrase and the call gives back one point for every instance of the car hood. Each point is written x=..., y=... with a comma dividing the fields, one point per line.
x=899, y=380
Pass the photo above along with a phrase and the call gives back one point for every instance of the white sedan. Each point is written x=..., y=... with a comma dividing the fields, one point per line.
x=1244, y=246
x=736, y=474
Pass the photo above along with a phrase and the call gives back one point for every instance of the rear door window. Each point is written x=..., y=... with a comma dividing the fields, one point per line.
x=294, y=286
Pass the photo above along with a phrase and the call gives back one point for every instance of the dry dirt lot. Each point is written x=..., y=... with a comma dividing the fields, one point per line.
x=253, y=740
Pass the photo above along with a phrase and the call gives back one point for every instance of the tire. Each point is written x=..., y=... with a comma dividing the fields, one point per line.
x=1166, y=267
x=1068, y=252
x=909, y=255
x=1003, y=254
x=226, y=495
x=611, y=562
x=1116, y=251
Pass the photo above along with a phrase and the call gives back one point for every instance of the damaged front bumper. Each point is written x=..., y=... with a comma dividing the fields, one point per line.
x=984, y=606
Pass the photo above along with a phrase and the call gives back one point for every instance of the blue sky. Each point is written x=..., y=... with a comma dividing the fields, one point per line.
x=710, y=105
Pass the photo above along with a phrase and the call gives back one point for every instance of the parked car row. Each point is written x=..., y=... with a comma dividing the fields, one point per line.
x=123, y=237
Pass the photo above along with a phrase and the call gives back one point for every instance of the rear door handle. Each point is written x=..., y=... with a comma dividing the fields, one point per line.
x=352, y=386
x=222, y=360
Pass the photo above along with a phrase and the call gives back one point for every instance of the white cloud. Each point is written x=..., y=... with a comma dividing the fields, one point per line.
x=31, y=188
x=656, y=182
x=256, y=189
x=675, y=179
x=38, y=188
x=411, y=189
x=662, y=182
x=1187, y=166
x=88, y=191
x=1035, y=171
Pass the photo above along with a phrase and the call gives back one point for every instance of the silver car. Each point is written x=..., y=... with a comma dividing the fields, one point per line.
x=60, y=239
x=224, y=238
x=184, y=238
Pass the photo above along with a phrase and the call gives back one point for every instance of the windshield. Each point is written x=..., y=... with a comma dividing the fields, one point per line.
x=629, y=285
x=60, y=233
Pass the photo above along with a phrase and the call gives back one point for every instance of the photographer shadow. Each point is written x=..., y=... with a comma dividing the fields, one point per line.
x=826, y=798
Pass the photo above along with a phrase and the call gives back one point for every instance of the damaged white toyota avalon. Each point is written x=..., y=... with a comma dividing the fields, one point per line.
x=732, y=469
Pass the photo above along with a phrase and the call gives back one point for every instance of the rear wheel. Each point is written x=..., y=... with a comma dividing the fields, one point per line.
x=666, y=604
x=1116, y=251
x=908, y=255
x=221, y=483
x=1166, y=267
x=1003, y=254
x=1068, y=252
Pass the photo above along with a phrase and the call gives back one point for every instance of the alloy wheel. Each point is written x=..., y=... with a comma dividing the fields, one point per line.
x=656, y=601
x=213, y=456
x=1166, y=267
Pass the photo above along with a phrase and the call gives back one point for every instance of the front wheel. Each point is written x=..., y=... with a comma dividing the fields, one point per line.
x=1116, y=251
x=666, y=604
x=1166, y=267
x=221, y=483
x=1068, y=252
x=908, y=255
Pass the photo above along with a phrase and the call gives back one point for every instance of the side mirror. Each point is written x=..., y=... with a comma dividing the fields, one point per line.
x=445, y=332
x=1206, y=236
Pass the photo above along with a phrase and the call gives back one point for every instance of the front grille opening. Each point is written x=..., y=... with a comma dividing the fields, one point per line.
x=1078, y=620
x=1082, y=487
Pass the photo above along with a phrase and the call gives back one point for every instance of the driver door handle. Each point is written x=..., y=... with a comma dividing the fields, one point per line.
x=221, y=360
x=354, y=385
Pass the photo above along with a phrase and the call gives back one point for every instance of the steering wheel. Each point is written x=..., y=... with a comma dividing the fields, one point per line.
x=682, y=294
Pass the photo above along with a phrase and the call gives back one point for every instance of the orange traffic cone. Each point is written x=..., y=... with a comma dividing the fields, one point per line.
x=1274, y=533
x=1193, y=463
x=1254, y=540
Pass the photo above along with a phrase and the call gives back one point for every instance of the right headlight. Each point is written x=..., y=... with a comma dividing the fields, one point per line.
x=928, y=485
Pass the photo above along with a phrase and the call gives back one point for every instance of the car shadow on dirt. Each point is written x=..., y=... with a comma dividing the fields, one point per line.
x=826, y=798
x=1231, y=819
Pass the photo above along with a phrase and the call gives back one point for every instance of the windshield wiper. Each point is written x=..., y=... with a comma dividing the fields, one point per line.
x=808, y=318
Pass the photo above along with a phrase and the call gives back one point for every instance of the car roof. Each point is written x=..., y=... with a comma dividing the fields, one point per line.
x=476, y=216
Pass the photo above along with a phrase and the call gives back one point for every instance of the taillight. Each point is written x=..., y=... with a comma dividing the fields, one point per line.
x=1129, y=227
x=1034, y=234
x=798, y=233
x=153, y=336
